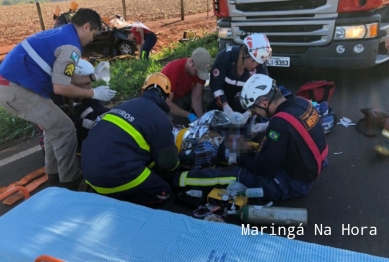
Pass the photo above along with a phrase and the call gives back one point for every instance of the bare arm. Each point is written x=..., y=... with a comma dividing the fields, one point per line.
x=197, y=99
x=72, y=91
x=175, y=109
x=79, y=80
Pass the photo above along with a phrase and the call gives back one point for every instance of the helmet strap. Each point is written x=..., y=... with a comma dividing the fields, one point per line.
x=266, y=109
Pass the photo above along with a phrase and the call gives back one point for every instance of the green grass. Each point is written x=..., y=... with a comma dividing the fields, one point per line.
x=127, y=78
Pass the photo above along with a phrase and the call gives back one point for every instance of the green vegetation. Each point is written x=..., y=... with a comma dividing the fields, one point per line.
x=127, y=77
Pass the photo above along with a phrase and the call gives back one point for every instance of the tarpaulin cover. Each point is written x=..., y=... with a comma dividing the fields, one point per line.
x=77, y=226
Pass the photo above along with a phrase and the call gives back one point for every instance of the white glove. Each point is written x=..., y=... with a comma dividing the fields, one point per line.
x=88, y=124
x=232, y=158
x=227, y=109
x=103, y=93
x=236, y=118
x=258, y=128
x=246, y=116
x=101, y=69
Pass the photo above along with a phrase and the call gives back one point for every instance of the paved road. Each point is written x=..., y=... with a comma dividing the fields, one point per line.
x=351, y=192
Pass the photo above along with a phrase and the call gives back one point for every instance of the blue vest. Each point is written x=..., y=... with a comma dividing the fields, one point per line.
x=20, y=68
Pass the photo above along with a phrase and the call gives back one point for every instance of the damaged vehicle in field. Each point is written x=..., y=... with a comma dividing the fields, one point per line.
x=111, y=40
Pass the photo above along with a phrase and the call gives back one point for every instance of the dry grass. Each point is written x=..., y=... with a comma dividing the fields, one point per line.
x=19, y=21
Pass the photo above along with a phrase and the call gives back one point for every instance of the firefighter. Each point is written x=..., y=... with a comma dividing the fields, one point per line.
x=188, y=76
x=383, y=147
x=120, y=151
x=231, y=69
x=290, y=156
x=44, y=63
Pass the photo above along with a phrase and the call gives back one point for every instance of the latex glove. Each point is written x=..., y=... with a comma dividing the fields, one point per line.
x=228, y=110
x=236, y=118
x=192, y=117
x=246, y=116
x=258, y=128
x=232, y=158
x=88, y=124
x=103, y=93
x=101, y=69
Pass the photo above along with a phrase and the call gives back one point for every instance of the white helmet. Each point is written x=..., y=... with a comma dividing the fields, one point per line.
x=84, y=68
x=256, y=86
x=258, y=47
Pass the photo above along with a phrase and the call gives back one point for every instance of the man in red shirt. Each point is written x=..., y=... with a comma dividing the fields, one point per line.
x=144, y=38
x=187, y=77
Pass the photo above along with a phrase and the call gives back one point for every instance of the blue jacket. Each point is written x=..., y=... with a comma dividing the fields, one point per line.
x=18, y=67
x=284, y=147
x=225, y=78
x=111, y=157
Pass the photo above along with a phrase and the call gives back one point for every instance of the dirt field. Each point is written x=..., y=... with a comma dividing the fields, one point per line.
x=20, y=21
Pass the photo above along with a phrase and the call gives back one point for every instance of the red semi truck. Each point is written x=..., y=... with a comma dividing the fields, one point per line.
x=345, y=34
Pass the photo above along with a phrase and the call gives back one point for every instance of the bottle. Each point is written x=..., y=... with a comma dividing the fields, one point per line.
x=194, y=193
x=269, y=215
x=253, y=192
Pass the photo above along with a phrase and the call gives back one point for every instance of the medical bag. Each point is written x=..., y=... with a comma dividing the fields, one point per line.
x=320, y=93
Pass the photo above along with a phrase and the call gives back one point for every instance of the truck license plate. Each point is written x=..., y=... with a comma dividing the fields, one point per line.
x=279, y=61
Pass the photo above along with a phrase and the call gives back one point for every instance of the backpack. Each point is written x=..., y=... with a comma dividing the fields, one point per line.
x=320, y=93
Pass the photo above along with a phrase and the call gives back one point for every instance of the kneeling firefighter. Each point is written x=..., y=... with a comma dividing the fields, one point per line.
x=132, y=138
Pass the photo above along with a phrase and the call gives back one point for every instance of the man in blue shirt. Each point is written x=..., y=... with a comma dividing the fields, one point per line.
x=45, y=63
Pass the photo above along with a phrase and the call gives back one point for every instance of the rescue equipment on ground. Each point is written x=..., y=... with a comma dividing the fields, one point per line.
x=320, y=93
x=234, y=197
x=277, y=216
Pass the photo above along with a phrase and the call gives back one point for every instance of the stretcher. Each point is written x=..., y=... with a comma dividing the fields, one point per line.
x=79, y=226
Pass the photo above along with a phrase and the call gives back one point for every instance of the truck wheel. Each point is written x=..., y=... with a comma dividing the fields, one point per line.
x=126, y=48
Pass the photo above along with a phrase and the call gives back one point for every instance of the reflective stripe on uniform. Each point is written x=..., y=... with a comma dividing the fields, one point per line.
x=34, y=55
x=233, y=82
x=189, y=181
x=385, y=133
x=136, y=182
x=127, y=127
x=123, y=124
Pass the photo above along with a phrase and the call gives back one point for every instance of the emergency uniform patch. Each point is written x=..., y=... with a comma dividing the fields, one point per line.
x=216, y=72
x=310, y=117
x=273, y=135
x=69, y=69
x=75, y=57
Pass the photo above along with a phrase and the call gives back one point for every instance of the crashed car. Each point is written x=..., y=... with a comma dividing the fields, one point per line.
x=111, y=41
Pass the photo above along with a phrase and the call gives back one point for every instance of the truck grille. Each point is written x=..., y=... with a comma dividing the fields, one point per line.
x=280, y=6
x=283, y=28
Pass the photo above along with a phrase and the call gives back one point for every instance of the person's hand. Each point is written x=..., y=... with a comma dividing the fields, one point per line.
x=227, y=109
x=258, y=128
x=103, y=93
x=192, y=117
x=101, y=69
x=236, y=118
x=232, y=159
x=387, y=43
x=143, y=42
x=246, y=115
x=88, y=124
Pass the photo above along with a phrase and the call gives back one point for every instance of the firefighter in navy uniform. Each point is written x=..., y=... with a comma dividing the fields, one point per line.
x=120, y=151
x=291, y=154
x=231, y=69
x=44, y=63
